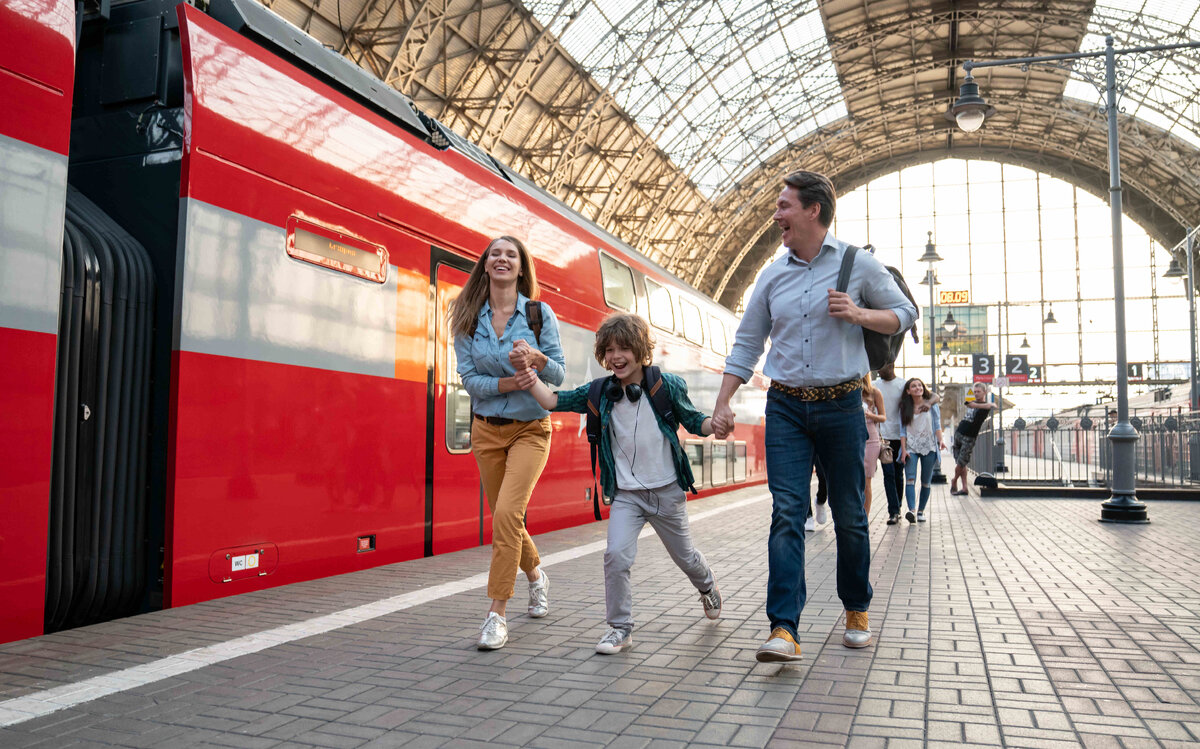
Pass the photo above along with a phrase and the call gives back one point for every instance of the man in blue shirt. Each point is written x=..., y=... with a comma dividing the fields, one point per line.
x=814, y=406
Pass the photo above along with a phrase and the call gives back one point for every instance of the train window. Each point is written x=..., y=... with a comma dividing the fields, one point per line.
x=695, y=456
x=693, y=326
x=720, y=463
x=717, y=339
x=458, y=406
x=618, y=283
x=739, y=462
x=662, y=312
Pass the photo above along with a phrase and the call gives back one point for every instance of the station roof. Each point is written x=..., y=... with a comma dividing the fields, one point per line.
x=671, y=122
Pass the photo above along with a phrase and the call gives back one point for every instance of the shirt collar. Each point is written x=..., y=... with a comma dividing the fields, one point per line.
x=829, y=245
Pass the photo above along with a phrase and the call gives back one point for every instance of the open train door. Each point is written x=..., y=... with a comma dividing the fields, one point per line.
x=456, y=511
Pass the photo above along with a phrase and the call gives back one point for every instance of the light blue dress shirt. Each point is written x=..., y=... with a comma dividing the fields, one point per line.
x=790, y=305
x=483, y=360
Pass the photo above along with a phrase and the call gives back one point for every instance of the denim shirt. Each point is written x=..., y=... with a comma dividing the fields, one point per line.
x=689, y=418
x=790, y=305
x=483, y=360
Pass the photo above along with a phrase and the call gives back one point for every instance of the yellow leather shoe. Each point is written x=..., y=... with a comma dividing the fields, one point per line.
x=779, y=647
x=858, y=632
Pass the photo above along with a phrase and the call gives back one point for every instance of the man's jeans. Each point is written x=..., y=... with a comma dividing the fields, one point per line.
x=835, y=431
x=893, y=479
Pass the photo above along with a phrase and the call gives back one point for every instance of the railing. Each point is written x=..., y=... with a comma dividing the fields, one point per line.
x=1167, y=453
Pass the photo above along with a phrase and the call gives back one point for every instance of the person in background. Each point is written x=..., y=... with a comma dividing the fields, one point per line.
x=642, y=467
x=891, y=387
x=920, y=441
x=963, y=444
x=873, y=411
x=510, y=432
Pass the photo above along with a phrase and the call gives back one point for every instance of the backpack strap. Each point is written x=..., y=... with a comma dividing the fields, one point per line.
x=843, y=281
x=660, y=401
x=533, y=315
x=593, y=436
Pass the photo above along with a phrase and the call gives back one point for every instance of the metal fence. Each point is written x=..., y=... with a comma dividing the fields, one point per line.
x=1079, y=454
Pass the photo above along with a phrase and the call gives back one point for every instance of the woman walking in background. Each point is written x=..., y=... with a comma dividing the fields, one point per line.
x=875, y=415
x=920, y=437
x=497, y=331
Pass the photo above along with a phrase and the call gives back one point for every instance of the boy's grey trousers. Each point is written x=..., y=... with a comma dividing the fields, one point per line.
x=665, y=508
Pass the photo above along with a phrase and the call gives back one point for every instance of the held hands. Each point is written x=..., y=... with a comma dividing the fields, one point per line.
x=526, y=378
x=722, y=420
x=524, y=356
x=843, y=307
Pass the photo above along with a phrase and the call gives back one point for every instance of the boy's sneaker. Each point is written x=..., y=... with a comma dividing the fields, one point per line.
x=539, y=596
x=614, y=641
x=810, y=524
x=712, y=602
x=893, y=518
x=779, y=647
x=822, y=514
x=493, y=635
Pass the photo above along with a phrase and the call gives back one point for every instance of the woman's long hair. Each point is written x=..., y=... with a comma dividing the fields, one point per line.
x=464, y=312
x=907, y=407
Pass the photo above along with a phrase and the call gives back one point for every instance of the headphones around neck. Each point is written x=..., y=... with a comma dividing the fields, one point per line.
x=614, y=391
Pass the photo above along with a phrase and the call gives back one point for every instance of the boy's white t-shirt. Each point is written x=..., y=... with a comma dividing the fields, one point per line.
x=641, y=454
x=892, y=390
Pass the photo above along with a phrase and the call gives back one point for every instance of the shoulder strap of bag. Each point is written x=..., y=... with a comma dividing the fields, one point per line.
x=533, y=315
x=843, y=281
x=593, y=435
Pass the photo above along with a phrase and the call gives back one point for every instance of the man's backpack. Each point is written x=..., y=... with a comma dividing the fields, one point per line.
x=882, y=349
x=654, y=389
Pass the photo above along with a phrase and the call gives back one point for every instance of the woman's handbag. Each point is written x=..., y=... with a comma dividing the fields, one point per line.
x=885, y=452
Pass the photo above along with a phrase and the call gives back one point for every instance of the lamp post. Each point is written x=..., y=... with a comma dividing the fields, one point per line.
x=1174, y=271
x=932, y=257
x=970, y=111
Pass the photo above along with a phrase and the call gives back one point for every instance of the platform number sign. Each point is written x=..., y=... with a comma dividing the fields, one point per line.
x=1035, y=373
x=1016, y=366
x=983, y=367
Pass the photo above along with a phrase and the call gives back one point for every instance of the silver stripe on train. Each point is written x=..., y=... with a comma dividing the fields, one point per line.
x=244, y=297
x=34, y=184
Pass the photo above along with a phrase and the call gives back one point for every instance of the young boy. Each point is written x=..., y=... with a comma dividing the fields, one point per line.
x=642, y=468
x=965, y=434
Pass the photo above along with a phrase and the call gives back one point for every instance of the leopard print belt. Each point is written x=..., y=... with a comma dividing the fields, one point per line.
x=818, y=393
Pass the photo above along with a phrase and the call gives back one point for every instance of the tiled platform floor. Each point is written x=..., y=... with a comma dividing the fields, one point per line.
x=999, y=622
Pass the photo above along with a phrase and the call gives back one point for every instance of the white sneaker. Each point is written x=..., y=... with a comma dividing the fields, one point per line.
x=493, y=635
x=614, y=641
x=822, y=515
x=810, y=524
x=539, y=596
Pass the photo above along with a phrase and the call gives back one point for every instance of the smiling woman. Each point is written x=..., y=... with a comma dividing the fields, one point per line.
x=499, y=327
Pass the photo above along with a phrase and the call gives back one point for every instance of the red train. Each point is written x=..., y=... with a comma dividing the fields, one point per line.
x=226, y=261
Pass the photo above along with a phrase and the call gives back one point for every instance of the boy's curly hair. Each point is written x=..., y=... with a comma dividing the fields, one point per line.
x=627, y=331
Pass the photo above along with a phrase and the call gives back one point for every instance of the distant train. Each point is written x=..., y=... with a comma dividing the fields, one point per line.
x=226, y=256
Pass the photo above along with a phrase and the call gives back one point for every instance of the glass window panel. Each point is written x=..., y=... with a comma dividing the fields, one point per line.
x=717, y=338
x=720, y=463
x=739, y=462
x=693, y=326
x=695, y=456
x=662, y=312
x=618, y=283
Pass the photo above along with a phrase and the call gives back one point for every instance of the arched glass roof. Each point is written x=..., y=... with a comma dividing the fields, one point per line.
x=719, y=86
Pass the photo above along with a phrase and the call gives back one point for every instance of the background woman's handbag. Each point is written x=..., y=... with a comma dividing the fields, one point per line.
x=885, y=453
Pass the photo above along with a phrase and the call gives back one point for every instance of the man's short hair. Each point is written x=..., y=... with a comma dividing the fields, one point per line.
x=814, y=188
x=627, y=331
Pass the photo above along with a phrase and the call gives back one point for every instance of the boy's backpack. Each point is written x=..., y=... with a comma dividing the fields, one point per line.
x=654, y=389
x=882, y=349
x=533, y=315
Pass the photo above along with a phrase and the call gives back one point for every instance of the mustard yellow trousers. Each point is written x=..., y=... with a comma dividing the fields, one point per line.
x=510, y=458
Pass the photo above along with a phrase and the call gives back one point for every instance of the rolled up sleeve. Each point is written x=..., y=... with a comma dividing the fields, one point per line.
x=751, y=336
x=881, y=292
